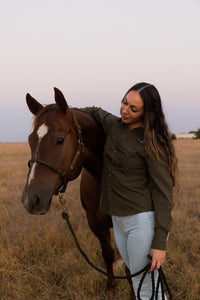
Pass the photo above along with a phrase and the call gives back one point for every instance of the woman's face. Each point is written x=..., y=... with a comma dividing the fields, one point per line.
x=132, y=110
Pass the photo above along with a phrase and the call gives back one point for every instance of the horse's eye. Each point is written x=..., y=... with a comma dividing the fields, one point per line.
x=60, y=141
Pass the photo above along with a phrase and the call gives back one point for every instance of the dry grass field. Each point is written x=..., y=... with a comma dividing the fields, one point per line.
x=38, y=257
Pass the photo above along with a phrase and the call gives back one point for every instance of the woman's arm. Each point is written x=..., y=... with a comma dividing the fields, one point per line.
x=102, y=117
x=161, y=193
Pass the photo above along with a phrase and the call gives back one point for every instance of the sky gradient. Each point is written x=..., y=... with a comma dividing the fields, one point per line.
x=94, y=51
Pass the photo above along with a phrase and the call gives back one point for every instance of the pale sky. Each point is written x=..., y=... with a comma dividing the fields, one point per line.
x=94, y=51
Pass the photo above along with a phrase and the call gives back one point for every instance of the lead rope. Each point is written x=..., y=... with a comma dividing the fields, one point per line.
x=161, y=278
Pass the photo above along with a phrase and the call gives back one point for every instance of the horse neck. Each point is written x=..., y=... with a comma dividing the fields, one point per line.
x=93, y=139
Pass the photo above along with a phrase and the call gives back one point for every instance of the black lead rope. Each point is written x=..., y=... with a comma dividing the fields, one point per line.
x=161, y=278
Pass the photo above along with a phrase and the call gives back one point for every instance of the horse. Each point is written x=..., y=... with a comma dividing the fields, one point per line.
x=64, y=143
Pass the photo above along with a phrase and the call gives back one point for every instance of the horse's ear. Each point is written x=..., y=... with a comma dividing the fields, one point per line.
x=60, y=100
x=33, y=105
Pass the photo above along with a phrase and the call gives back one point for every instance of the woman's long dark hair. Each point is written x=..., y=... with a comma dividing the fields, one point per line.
x=156, y=131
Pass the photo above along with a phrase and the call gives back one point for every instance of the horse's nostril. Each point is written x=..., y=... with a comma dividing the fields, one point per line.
x=37, y=201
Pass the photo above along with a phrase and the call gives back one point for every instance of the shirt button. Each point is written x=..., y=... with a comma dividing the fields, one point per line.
x=109, y=175
x=114, y=151
x=109, y=190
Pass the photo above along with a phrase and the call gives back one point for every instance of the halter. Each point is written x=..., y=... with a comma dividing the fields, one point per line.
x=63, y=175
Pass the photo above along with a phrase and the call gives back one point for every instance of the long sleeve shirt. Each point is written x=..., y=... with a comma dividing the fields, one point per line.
x=132, y=180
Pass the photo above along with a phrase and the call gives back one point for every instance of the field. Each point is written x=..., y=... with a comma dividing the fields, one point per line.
x=38, y=257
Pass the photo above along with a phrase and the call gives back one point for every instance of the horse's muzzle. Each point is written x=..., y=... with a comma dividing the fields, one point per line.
x=35, y=204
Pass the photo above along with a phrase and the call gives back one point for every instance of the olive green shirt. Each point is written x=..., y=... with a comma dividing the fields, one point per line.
x=132, y=181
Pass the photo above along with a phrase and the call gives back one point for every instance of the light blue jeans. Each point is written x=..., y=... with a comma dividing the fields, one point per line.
x=133, y=236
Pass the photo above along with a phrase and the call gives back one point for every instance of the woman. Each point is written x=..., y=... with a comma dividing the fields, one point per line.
x=138, y=176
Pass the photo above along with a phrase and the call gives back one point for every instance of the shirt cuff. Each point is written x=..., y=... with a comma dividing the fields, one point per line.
x=160, y=239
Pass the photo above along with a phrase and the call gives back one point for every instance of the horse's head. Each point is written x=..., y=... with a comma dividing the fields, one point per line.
x=56, y=150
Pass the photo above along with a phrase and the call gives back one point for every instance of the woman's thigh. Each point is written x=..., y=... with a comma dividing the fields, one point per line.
x=133, y=235
x=139, y=240
x=120, y=238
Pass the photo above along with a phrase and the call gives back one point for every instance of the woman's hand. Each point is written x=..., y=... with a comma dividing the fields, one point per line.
x=158, y=258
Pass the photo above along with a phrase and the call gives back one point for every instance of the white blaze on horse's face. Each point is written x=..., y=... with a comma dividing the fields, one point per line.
x=41, y=132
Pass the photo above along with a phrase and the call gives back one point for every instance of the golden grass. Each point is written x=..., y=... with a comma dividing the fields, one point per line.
x=183, y=263
x=38, y=257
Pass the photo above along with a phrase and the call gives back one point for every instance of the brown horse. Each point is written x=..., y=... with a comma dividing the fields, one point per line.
x=63, y=143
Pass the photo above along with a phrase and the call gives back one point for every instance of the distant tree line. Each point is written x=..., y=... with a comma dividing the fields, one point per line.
x=197, y=134
x=173, y=136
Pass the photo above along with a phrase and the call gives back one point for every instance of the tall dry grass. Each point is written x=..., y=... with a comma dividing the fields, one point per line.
x=38, y=257
x=183, y=265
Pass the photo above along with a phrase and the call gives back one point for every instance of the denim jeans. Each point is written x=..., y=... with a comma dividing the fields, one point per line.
x=133, y=236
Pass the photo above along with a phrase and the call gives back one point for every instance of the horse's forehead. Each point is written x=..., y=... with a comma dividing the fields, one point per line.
x=42, y=131
x=52, y=121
